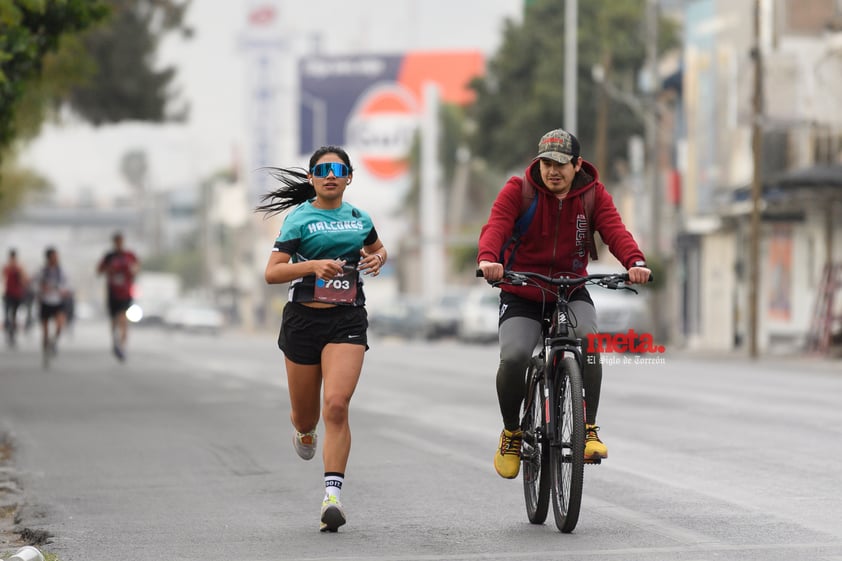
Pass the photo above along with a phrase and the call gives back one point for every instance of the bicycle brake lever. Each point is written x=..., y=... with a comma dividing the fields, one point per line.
x=617, y=284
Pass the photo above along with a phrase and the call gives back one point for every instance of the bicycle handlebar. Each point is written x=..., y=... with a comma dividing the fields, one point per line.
x=608, y=280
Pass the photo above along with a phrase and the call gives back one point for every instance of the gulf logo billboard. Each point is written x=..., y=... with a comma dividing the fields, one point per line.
x=371, y=104
x=381, y=128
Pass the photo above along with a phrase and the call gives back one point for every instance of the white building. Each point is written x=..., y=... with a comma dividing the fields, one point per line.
x=801, y=169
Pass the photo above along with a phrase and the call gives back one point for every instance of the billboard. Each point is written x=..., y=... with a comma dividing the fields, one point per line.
x=263, y=49
x=371, y=105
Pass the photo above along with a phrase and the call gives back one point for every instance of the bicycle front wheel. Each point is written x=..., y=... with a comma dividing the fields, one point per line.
x=567, y=453
x=535, y=452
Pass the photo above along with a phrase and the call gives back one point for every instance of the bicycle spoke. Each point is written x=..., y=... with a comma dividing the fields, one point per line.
x=534, y=451
x=567, y=457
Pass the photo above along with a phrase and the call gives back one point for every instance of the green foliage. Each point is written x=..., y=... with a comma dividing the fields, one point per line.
x=482, y=183
x=125, y=84
x=452, y=135
x=187, y=263
x=14, y=184
x=522, y=95
x=29, y=29
x=62, y=69
x=70, y=51
x=38, y=58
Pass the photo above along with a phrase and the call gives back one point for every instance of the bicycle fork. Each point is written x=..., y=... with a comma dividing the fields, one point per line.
x=530, y=438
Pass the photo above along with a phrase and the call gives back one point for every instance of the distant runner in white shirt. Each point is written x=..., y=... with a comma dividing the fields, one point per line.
x=53, y=288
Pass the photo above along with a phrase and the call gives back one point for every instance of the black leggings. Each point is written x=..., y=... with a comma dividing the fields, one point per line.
x=518, y=337
x=10, y=312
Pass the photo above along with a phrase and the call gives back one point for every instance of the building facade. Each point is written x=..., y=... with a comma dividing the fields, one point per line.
x=800, y=48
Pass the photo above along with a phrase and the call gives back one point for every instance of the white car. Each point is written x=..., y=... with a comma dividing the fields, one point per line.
x=443, y=316
x=619, y=311
x=480, y=315
x=195, y=317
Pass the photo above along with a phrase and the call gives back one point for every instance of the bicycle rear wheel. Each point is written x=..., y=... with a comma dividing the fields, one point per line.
x=567, y=454
x=535, y=452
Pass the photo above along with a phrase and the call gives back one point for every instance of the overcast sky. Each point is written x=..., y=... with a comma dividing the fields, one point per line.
x=212, y=77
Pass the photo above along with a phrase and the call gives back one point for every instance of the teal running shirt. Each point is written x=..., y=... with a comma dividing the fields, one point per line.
x=314, y=233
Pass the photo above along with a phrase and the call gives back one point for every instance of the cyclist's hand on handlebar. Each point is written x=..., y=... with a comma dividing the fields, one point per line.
x=639, y=275
x=491, y=271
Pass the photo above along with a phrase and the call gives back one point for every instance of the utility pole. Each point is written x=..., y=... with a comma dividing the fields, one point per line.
x=653, y=156
x=571, y=40
x=432, y=221
x=652, y=126
x=756, y=186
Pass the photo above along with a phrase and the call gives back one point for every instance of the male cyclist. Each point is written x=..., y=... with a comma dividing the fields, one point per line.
x=120, y=267
x=554, y=243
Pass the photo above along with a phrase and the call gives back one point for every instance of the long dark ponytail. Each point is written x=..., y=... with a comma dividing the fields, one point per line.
x=295, y=187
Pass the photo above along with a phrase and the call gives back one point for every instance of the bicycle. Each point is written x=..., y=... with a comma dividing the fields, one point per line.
x=553, y=410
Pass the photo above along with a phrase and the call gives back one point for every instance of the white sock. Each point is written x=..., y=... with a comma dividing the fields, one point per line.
x=333, y=484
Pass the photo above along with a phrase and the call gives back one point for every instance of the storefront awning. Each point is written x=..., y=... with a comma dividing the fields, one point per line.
x=825, y=179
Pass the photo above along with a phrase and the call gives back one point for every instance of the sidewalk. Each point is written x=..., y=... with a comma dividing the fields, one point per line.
x=796, y=360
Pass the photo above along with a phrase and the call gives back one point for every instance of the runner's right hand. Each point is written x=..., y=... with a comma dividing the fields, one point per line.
x=327, y=268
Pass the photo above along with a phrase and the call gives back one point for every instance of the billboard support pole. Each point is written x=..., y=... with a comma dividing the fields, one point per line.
x=432, y=220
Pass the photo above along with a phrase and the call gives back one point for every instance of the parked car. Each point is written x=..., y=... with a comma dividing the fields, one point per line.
x=620, y=311
x=403, y=317
x=195, y=317
x=443, y=316
x=480, y=315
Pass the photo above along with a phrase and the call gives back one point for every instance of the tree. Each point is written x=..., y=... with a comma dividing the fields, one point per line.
x=29, y=30
x=465, y=187
x=126, y=85
x=70, y=52
x=522, y=95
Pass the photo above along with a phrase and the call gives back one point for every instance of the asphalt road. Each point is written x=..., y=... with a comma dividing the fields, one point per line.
x=184, y=453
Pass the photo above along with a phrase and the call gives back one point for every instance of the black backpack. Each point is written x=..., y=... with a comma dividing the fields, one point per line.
x=528, y=204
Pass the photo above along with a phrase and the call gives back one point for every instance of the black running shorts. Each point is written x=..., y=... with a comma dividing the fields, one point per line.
x=118, y=305
x=305, y=331
x=49, y=311
x=515, y=306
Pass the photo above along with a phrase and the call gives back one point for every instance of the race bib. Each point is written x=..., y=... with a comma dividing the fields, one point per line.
x=341, y=289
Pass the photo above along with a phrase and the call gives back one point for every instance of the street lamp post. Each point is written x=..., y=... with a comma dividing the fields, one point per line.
x=652, y=125
x=756, y=186
x=571, y=36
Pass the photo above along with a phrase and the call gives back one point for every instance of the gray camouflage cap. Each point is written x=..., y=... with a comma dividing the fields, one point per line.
x=558, y=145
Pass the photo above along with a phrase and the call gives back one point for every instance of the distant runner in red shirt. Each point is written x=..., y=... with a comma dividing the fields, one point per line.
x=14, y=281
x=120, y=267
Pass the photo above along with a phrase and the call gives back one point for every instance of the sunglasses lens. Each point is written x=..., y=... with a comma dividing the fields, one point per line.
x=322, y=170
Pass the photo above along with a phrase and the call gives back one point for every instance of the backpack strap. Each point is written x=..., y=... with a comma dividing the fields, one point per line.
x=528, y=205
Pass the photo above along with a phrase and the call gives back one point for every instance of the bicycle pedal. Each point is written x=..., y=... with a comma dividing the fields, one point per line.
x=597, y=460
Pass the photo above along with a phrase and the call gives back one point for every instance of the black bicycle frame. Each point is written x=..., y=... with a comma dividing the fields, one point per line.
x=556, y=344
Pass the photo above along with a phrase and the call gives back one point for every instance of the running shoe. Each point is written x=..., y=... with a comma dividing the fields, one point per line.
x=305, y=444
x=332, y=515
x=507, y=457
x=594, y=448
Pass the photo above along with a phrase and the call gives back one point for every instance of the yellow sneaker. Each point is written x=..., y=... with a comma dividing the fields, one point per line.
x=594, y=448
x=507, y=457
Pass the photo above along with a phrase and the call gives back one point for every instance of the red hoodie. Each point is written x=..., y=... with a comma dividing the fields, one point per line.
x=555, y=242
